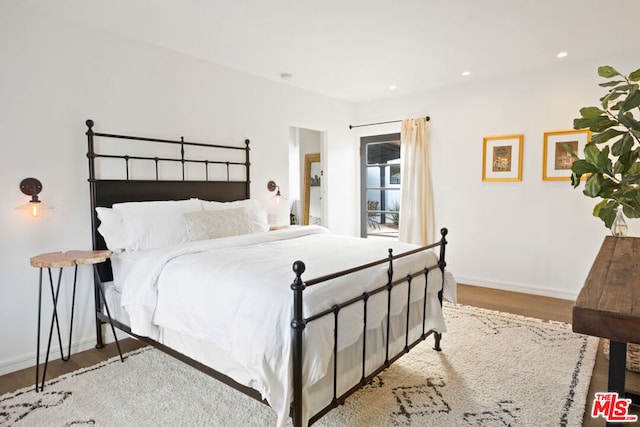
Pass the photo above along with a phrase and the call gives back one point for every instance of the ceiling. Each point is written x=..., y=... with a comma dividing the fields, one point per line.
x=356, y=49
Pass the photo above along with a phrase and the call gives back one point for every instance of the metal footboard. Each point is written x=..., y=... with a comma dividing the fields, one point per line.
x=299, y=323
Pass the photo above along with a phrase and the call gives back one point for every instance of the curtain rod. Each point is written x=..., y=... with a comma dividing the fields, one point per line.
x=381, y=123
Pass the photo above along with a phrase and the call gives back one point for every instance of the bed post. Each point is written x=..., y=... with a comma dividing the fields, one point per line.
x=442, y=264
x=92, y=191
x=248, y=164
x=443, y=246
x=297, y=330
x=92, y=178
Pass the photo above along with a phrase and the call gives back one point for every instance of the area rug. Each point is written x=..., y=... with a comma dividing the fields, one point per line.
x=495, y=369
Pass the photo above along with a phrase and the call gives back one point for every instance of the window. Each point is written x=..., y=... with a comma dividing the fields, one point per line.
x=380, y=185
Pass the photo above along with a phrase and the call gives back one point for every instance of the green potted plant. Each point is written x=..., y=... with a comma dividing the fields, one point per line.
x=611, y=160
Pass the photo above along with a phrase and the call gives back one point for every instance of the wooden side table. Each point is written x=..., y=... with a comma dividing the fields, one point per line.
x=60, y=260
x=608, y=305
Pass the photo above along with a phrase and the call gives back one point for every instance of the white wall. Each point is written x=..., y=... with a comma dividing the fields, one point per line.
x=55, y=75
x=533, y=236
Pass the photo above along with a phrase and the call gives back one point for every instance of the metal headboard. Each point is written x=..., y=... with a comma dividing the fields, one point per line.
x=106, y=192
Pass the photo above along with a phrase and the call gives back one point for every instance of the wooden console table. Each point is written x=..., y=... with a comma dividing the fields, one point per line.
x=608, y=305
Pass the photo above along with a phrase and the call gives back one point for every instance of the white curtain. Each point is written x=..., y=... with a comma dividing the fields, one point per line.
x=416, y=206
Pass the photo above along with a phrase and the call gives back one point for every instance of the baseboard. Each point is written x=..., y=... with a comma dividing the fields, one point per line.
x=78, y=345
x=517, y=287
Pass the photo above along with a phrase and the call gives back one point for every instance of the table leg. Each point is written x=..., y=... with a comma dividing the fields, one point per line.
x=73, y=304
x=38, y=331
x=55, y=293
x=55, y=312
x=617, y=367
x=54, y=322
x=620, y=371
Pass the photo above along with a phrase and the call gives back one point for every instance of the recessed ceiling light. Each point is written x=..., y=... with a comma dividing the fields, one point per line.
x=285, y=76
x=393, y=87
x=561, y=54
x=466, y=73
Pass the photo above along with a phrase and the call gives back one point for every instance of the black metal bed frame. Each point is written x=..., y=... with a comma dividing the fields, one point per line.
x=104, y=193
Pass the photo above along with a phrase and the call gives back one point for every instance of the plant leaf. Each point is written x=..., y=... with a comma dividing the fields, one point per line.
x=608, y=187
x=634, y=173
x=622, y=145
x=575, y=179
x=604, y=162
x=607, y=72
x=630, y=212
x=580, y=167
x=599, y=206
x=592, y=186
x=572, y=153
x=623, y=89
x=632, y=101
x=591, y=112
x=611, y=96
x=612, y=83
x=598, y=124
x=635, y=76
x=591, y=153
x=632, y=206
x=606, y=136
x=606, y=210
x=628, y=121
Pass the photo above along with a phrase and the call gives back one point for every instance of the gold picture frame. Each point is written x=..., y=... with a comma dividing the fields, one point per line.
x=502, y=157
x=556, y=161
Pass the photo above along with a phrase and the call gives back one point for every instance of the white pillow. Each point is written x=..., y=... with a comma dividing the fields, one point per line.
x=256, y=211
x=150, y=225
x=112, y=229
x=214, y=224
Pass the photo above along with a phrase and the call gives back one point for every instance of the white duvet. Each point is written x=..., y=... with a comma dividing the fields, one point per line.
x=235, y=293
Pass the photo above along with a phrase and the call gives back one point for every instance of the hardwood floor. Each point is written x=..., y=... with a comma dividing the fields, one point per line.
x=26, y=377
x=527, y=305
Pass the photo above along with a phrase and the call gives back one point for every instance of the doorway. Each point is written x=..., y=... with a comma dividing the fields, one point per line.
x=306, y=176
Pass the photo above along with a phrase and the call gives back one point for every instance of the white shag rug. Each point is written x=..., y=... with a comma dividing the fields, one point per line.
x=495, y=369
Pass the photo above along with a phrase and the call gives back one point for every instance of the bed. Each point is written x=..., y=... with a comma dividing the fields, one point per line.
x=196, y=272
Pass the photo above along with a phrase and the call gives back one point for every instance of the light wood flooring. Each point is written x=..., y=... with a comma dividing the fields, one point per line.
x=527, y=305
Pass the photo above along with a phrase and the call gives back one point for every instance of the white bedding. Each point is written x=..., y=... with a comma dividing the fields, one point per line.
x=208, y=290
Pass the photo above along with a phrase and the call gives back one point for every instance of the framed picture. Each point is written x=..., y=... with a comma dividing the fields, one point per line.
x=502, y=158
x=556, y=160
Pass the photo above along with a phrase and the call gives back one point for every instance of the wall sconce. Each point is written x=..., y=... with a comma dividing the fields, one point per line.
x=32, y=187
x=272, y=186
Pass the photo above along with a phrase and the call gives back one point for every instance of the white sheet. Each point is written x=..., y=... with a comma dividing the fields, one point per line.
x=208, y=290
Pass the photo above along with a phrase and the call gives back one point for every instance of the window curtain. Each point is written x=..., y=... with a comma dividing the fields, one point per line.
x=416, y=206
